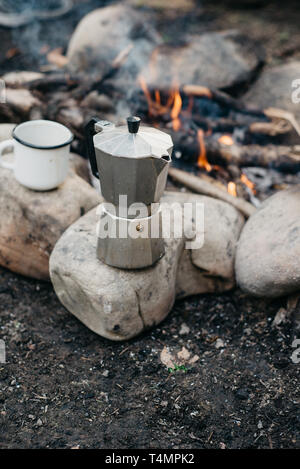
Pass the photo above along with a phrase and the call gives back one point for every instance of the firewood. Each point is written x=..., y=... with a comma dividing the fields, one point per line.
x=82, y=82
x=200, y=186
x=20, y=79
x=273, y=128
x=21, y=100
x=54, y=81
x=284, y=115
x=277, y=156
x=196, y=90
x=221, y=97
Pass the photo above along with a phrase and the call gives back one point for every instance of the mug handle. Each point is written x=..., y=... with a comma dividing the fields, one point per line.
x=89, y=133
x=3, y=145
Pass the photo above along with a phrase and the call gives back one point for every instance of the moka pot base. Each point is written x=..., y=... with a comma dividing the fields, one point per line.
x=129, y=243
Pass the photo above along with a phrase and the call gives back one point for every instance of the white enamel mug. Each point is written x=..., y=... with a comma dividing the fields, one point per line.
x=41, y=154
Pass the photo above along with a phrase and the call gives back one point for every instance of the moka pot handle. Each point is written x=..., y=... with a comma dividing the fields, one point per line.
x=89, y=134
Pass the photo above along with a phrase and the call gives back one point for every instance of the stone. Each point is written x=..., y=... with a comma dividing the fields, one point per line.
x=219, y=343
x=214, y=59
x=120, y=304
x=274, y=88
x=80, y=166
x=106, y=32
x=31, y=222
x=210, y=269
x=267, y=258
x=184, y=329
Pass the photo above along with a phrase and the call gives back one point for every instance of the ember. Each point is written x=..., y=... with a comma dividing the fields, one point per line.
x=177, y=105
x=232, y=188
x=156, y=108
x=248, y=183
x=226, y=140
x=215, y=133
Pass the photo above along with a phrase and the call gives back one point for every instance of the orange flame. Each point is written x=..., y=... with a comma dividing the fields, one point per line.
x=144, y=87
x=226, y=140
x=231, y=188
x=177, y=105
x=157, y=108
x=157, y=96
x=248, y=183
x=202, y=160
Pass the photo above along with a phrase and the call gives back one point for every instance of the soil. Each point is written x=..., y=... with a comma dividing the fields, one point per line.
x=64, y=387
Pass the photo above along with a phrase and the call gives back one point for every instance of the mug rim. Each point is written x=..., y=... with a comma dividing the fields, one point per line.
x=40, y=147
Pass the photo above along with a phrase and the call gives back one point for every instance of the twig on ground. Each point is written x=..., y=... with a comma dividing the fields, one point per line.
x=204, y=187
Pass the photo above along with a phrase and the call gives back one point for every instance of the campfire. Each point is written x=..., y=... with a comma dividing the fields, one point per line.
x=223, y=147
x=149, y=186
x=218, y=138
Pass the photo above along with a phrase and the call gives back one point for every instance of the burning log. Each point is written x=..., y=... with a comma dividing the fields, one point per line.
x=221, y=98
x=224, y=151
x=197, y=116
x=204, y=187
x=278, y=156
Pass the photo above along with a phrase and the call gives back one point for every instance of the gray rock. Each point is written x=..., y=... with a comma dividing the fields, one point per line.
x=105, y=33
x=274, y=88
x=216, y=60
x=267, y=259
x=32, y=222
x=120, y=304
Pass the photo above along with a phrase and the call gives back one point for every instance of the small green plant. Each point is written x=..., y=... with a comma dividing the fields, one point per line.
x=177, y=368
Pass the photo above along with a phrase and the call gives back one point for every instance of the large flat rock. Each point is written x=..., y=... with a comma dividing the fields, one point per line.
x=274, y=88
x=216, y=60
x=267, y=259
x=31, y=222
x=105, y=33
x=119, y=304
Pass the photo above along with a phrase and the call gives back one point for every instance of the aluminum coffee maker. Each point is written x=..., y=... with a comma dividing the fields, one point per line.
x=132, y=163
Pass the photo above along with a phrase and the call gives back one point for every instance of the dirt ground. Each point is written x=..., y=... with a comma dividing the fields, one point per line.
x=62, y=386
